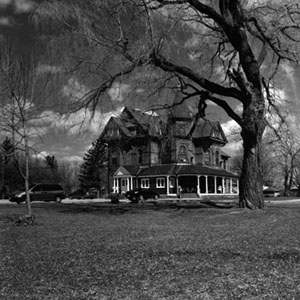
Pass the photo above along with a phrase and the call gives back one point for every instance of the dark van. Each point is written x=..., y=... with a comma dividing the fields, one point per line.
x=41, y=192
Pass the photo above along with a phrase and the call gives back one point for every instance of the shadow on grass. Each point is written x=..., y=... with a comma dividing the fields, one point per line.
x=133, y=208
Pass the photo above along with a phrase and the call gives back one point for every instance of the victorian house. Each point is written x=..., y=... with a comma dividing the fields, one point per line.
x=179, y=152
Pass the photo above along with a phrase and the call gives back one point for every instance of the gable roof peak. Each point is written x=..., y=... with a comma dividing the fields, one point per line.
x=179, y=109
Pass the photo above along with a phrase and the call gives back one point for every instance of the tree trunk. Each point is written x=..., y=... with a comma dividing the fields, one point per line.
x=251, y=180
x=29, y=210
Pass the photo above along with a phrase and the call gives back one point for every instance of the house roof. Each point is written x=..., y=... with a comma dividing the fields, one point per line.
x=207, y=129
x=150, y=124
x=126, y=170
x=179, y=109
x=149, y=121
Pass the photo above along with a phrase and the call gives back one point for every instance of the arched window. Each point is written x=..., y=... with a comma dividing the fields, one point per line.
x=207, y=158
x=200, y=156
x=115, y=158
x=182, y=154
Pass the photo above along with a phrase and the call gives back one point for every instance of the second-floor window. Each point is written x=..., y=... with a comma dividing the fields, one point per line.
x=207, y=158
x=114, y=161
x=217, y=157
x=116, y=157
x=140, y=156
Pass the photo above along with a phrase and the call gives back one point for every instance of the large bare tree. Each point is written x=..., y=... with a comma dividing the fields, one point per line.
x=227, y=52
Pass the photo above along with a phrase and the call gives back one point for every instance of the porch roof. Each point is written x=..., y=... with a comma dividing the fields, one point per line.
x=170, y=169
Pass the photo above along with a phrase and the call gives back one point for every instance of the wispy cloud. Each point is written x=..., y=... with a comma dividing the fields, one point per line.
x=43, y=68
x=82, y=121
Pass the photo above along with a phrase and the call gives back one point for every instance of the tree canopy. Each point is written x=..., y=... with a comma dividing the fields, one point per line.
x=227, y=52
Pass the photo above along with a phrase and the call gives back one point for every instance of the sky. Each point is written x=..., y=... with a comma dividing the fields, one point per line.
x=68, y=135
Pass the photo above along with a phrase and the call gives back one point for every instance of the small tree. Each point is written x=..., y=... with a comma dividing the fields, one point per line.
x=23, y=88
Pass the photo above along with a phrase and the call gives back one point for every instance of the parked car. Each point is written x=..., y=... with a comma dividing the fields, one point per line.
x=92, y=193
x=40, y=192
x=81, y=194
x=137, y=195
x=77, y=194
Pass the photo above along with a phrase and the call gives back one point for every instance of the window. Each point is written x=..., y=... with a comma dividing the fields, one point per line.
x=145, y=183
x=160, y=182
x=207, y=158
x=115, y=157
x=140, y=156
x=114, y=161
x=182, y=154
x=172, y=182
x=217, y=158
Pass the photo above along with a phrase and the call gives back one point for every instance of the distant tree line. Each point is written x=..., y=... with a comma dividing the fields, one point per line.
x=42, y=169
x=280, y=161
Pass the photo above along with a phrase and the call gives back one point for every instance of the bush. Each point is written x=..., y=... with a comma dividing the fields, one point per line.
x=114, y=198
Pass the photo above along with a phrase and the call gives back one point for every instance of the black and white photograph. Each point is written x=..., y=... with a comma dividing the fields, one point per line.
x=149, y=150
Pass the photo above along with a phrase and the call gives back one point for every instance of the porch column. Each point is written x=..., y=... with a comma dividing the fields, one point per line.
x=215, y=183
x=206, y=184
x=131, y=183
x=168, y=185
x=128, y=183
x=223, y=185
x=230, y=185
x=114, y=184
x=117, y=185
x=198, y=186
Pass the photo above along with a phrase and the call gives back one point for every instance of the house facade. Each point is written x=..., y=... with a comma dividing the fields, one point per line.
x=180, y=152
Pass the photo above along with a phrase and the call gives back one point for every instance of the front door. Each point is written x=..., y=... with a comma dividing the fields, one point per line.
x=124, y=185
x=188, y=184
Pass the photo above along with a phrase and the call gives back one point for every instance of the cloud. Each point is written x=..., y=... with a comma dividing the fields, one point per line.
x=74, y=89
x=73, y=159
x=233, y=147
x=82, y=121
x=23, y=6
x=118, y=91
x=4, y=21
x=5, y=2
x=42, y=68
x=231, y=128
x=20, y=6
x=232, y=131
x=41, y=155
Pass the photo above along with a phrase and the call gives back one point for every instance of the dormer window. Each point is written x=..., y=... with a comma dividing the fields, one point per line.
x=182, y=154
x=132, y=129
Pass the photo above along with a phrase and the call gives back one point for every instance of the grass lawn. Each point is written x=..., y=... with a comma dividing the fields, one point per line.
x=101, y=251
